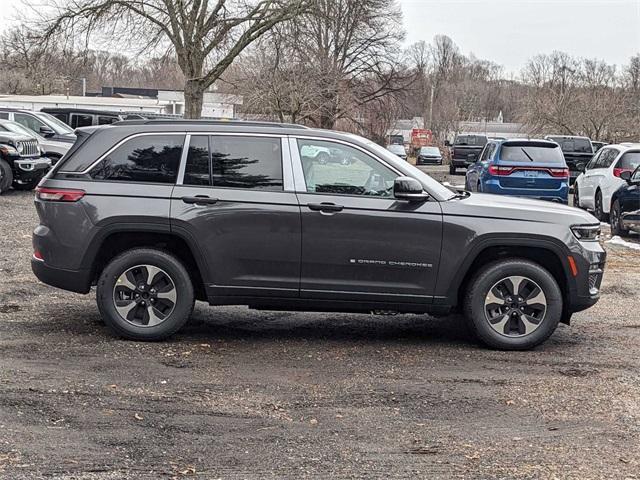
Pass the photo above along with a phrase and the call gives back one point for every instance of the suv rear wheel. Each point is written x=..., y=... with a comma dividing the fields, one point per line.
x=513, y=304
x=145, y=294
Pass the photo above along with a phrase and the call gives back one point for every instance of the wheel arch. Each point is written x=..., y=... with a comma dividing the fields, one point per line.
x=116, y=239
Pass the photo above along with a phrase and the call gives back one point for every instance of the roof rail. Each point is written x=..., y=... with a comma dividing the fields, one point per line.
x=173, y=121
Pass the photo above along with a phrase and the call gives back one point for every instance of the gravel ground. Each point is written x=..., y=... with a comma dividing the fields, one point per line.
x=245, y=394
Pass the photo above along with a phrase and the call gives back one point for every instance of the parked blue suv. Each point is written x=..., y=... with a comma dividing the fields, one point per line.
x=524, y=168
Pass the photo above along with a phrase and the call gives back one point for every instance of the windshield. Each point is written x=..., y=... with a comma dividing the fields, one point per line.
x=434, y=187
x=429, y=151
x=472, y=140
x=17, y=128
x=59, y=126
x=532, y=153
x=581, y=145
x=396, y=149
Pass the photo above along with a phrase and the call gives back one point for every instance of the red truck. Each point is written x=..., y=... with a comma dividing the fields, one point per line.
x=420, y=137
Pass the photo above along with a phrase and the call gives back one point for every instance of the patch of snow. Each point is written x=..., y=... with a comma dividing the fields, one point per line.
x=616, y=240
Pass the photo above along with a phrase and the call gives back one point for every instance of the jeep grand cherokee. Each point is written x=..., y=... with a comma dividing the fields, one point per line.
x=158, y=214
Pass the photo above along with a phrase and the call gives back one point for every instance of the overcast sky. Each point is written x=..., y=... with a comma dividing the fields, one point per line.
x=510, y=31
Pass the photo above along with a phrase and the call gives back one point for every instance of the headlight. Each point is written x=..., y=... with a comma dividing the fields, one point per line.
x=586, y=233
x=8, y=150
x=20, y=147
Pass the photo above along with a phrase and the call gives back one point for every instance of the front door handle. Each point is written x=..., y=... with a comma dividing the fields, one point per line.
x=325, y=207
x=200, y=200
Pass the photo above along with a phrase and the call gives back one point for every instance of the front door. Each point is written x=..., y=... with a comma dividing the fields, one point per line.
x=233, y=203
x=358, y=242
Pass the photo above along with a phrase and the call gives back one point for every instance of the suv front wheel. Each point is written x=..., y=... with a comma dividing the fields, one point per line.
x=145, y=294
x=513, y=304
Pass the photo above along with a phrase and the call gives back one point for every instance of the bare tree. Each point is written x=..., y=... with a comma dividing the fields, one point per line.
x=205, y=35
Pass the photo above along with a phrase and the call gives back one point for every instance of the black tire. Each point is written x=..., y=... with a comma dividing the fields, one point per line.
x=598, y=211
x=171, y=267
x=6, y=176
x=576, y=197
x=490, y=276
x=452, y=169
x=28, y=185
x=616, y=221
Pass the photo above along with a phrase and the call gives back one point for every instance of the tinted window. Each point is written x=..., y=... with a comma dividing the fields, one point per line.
x=148, y=158
x=629, y=161
x=582, y=145
x=532, y=153
x=342, y=170
x=28, y=121
x=247, y=162
x=429, y=151
x=606, y=158
x=102, y=120
x=4, y=115
x=61, y=116
x=471, y=140
x=197, y=170
x=78, y=120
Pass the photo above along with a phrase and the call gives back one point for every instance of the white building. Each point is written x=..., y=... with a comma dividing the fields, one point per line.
x=168, y=102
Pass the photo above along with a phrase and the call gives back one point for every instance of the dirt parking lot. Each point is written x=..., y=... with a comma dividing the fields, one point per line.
x=246, y=394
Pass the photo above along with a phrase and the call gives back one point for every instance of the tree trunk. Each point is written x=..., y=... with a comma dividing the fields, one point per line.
x=193, y=99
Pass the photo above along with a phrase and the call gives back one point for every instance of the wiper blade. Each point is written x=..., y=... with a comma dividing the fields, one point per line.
x=525, y=152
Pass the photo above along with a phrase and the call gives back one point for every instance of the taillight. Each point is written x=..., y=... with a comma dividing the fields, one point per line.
x=559, y=172
x=500, y=171
x=38, y=256
x=618, y=171
x=58, y=194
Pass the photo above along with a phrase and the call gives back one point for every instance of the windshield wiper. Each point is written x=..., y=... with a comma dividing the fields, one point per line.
x=525, y=152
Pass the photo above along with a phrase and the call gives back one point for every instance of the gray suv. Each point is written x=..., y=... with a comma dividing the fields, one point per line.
x=157, y=214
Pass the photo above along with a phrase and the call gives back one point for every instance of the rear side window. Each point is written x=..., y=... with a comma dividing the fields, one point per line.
x=102, y=120
x=4, y=115
x=197, y=170
x=606, y=159
x=629, y=161
x=532, y=153
x=143, y=159
x=247, y=162
x=78, y=120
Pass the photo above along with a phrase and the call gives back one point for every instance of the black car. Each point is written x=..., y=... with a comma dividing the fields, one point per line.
x=429, y=156
x=157, y=214
x=577, y=151
x=21, y=162
x=465, y=150
x=625, y=205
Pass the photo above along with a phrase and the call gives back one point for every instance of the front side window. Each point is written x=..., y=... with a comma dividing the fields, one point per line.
x=143, y=159
x=102, y=120
x=28, y=121
x=247, y=162
x=79, y=120
x=333, y=168
x=4, y=115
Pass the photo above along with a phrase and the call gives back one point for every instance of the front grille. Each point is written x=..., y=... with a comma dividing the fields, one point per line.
x=28, y=148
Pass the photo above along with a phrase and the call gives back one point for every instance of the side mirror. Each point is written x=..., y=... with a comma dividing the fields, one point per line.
x=447, y=143
x=626, y=176
x=46, y=132
x=409, y=189
x=581, y=166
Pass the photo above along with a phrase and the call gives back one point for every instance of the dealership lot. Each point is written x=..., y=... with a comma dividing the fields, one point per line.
x=246, y=394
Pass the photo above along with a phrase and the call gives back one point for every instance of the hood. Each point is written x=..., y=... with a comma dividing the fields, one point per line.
x=12, y=137
x=518, y=208
x=66, y=138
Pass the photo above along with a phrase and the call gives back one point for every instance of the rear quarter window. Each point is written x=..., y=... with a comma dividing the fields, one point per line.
x=143, y=159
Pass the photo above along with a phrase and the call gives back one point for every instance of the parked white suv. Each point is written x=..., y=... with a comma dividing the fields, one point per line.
x=601, y=177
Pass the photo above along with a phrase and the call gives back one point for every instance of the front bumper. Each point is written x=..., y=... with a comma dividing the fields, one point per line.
x=590, y=260
x=429, y=161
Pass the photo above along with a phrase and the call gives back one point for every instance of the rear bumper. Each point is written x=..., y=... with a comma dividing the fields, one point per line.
x=78, y=281
x=429, y=161
x=560, y=195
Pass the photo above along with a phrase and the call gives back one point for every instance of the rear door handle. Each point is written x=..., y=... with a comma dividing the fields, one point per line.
x=325, y=207
x=200, y=200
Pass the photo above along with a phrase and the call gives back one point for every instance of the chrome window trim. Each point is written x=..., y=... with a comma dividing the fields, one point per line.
x=121, y=142
x=300, y=183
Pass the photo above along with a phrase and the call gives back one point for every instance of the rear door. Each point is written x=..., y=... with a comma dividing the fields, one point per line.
x=358, y=242
x=235, y=200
